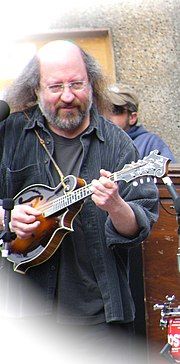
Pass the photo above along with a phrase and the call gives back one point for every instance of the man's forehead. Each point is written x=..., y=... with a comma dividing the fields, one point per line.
x=57, y=50
x=61, y=60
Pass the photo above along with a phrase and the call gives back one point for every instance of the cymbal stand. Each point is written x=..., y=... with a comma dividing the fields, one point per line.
x=168, y=317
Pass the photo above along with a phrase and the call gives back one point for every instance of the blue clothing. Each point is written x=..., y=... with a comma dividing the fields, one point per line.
x=25, y=162
x=146, y=141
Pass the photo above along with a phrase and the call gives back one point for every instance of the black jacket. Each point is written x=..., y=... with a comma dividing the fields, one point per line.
x=25, y=162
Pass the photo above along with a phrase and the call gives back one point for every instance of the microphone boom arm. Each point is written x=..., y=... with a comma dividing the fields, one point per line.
x=176, y=199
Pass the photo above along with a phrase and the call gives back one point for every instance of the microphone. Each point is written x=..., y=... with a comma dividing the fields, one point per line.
x=4, y=110
x=7, y=236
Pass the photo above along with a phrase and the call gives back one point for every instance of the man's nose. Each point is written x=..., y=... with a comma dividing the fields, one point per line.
x=67, y=95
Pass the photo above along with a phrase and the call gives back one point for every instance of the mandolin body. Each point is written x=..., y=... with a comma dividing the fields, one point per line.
x=46, y=239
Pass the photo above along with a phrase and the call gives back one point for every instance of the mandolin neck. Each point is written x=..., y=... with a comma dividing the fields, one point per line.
x=152, y=165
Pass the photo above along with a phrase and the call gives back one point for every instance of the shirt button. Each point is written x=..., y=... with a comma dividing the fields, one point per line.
x=46, y=161
x=53, y=267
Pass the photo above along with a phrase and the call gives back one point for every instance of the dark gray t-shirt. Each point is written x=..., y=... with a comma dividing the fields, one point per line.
x=78, y=298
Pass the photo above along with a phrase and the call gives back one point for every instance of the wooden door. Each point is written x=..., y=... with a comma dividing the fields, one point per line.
x=161, y=270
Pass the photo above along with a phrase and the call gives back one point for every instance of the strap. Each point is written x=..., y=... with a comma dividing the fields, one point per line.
x=42, y=142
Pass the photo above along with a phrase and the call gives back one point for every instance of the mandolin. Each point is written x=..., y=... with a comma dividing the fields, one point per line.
x=59, y=207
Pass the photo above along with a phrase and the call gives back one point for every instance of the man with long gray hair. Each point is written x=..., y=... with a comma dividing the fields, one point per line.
x=74, y=254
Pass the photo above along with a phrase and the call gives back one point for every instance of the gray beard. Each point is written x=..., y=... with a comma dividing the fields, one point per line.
x=70, y=122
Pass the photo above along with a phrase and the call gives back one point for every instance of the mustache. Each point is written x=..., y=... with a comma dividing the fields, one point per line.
x=68, y=104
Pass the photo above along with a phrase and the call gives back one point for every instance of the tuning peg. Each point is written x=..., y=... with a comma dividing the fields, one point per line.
x=135, y=183
x=141, y=181
x=148, y=179
x=155, y=180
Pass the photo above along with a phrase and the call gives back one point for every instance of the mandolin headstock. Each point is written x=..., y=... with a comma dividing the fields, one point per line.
x=154, y=165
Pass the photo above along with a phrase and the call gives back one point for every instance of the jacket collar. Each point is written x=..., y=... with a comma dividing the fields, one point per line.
x=95, y=124
x=36, y=118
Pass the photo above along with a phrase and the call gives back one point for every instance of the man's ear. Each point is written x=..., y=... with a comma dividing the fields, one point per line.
x=133, y=118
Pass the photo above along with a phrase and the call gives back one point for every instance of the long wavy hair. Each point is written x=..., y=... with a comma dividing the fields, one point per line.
x=21, y=94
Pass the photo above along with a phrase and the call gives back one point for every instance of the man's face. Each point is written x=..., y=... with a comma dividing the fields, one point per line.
x=64, y=102
x=122, y=119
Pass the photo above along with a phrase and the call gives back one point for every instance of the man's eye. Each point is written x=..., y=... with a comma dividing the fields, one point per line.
x=55, y=88
x=77, y=85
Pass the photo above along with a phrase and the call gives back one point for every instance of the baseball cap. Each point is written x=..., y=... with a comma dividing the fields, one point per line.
x=123, y=95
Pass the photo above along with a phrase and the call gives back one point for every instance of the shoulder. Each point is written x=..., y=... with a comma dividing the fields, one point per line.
x=117, y=142
x=151, y=141
x=20, y=120
x=108, y=127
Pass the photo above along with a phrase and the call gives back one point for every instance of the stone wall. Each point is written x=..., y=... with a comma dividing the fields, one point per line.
x=145, y=36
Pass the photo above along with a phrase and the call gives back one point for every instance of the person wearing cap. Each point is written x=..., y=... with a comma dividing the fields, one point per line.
x=125, y=105
x=124, y=113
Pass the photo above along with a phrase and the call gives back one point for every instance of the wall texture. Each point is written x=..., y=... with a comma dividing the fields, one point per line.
x=145, y=35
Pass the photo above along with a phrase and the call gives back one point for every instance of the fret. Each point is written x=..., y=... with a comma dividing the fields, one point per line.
x=150, y=165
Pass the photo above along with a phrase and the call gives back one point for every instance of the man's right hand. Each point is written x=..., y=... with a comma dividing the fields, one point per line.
x=24, y=220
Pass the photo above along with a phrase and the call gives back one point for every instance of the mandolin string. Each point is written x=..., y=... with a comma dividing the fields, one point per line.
x=48, y=205
x=44, y=207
